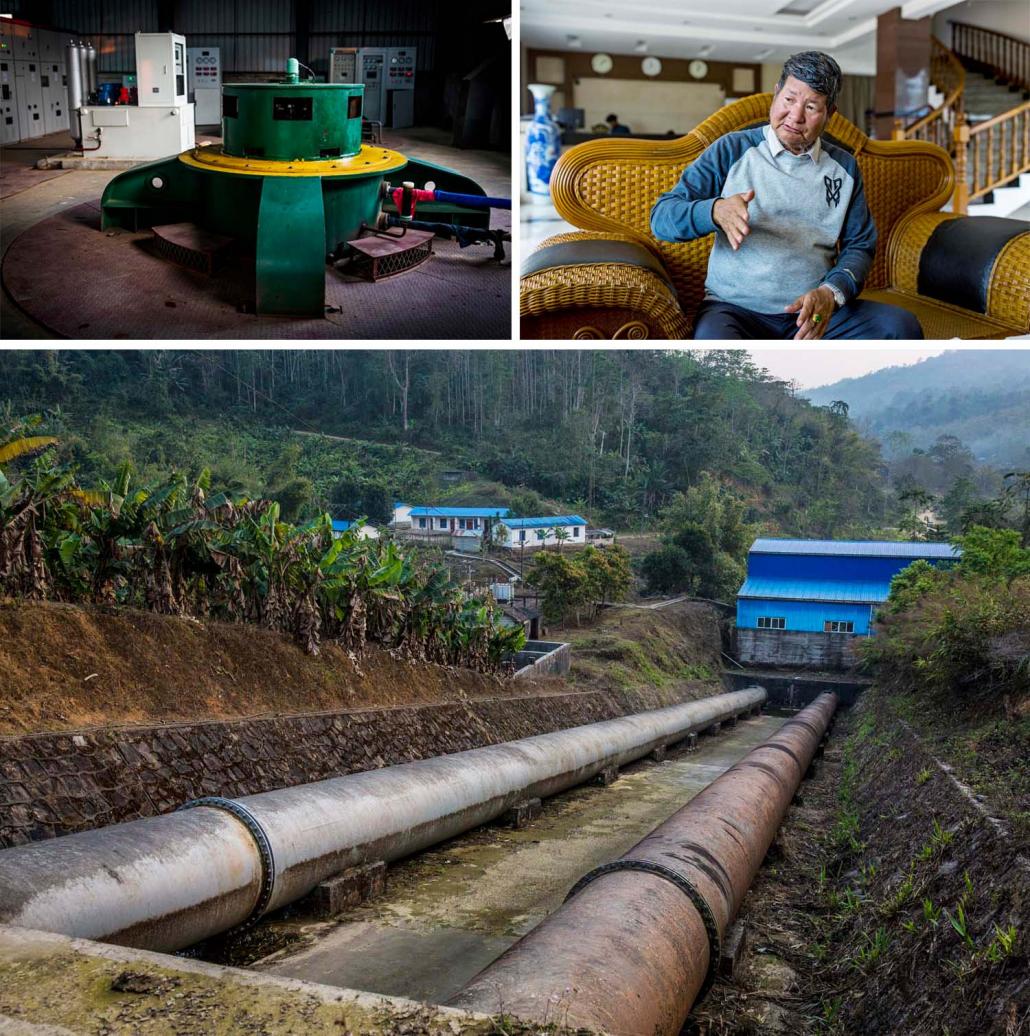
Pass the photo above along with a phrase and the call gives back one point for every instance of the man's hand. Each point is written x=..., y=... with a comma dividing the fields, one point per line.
x=730, y=214
x=814, y=310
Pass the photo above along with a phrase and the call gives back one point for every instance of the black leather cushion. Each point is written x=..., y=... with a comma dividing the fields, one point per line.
x=588, y=252
x=957, y=260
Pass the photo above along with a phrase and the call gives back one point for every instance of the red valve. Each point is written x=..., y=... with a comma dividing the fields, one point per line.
x=414, y=194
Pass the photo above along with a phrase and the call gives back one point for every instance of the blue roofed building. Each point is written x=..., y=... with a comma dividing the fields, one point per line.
x=365, y=531
x=516, y=533
x=804, y=602
x=460, y=528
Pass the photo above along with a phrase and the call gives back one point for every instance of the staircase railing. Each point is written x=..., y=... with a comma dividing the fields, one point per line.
x=997, y=54
x=949, y=77
x=980, y=165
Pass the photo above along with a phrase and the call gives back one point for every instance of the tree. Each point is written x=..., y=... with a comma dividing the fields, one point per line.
x=295, y=499
x=667, y=570
x=706, y=525
x=993, y=552
x=610, y=572
x=562, y=583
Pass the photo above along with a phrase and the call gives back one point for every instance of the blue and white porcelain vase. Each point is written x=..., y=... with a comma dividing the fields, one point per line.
x=542, y=141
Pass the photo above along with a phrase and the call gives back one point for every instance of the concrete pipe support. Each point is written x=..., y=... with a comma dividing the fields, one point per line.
x=638, y=940
x=169, y=881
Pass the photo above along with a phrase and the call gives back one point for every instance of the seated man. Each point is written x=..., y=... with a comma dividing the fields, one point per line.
x=794, y=239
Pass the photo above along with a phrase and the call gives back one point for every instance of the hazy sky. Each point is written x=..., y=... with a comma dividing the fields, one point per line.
x=829, y=363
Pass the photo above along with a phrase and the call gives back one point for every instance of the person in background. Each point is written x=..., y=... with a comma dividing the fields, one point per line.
x=615, y=128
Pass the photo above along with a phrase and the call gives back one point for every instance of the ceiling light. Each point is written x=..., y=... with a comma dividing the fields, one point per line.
x=641, y=47
x=573, y=42
x=763, y=54
x=706, y=50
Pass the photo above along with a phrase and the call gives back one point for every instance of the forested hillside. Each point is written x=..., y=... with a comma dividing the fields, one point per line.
x=982, y=401
x=615, y=434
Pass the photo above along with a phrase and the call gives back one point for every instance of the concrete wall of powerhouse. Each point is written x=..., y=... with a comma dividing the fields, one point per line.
x=782, y=648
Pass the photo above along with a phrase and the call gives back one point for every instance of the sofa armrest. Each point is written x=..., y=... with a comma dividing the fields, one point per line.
x=977, y=263
x=594, y=285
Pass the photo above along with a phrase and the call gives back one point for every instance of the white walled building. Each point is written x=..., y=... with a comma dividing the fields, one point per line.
x=519, y=533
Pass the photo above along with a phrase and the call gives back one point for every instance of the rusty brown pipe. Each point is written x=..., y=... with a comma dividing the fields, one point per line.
x=638, y=940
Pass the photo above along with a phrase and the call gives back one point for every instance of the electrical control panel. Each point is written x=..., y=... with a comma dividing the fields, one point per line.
x=29, y=89
x=343, y=65
x=9, y=131
x=23, y=41
x=205, y=83
x=400, y=68
x=400, y=87
x=205, y=65
x=161, y=69
x=55, y=96
x=372, y=66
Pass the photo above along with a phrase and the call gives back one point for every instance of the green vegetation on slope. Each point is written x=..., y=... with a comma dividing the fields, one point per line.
x=952, y=648
x=173, y=547
x=614, y=434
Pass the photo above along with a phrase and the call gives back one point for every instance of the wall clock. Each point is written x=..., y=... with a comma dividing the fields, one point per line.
x=601, y=64
x=651, y=66
x=698, y=69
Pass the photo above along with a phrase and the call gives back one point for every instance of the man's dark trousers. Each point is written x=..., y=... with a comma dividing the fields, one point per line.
x=855, y=319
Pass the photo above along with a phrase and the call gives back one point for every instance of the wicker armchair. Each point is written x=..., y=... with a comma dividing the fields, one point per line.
x=613, y=279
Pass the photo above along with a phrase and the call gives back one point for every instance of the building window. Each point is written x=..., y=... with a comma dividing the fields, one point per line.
x=772, y=623
x=421, y=523
x=838, y=626
x=522, y=535
x=443, y=523
x=575, y=532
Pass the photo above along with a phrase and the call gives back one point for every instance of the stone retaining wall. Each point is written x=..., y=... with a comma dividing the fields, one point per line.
x=55, y=784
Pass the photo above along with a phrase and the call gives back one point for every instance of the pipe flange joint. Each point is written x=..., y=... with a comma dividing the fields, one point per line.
x=687, y=888
x=264, y=847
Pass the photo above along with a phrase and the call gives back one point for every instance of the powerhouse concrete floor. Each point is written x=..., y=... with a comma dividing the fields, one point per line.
x=450, y=912
x=457, y=294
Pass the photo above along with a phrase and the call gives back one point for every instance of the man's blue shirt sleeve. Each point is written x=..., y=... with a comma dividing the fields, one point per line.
x=685, y=212
x=857, y=244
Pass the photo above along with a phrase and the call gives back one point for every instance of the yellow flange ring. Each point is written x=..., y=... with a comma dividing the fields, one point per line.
x=368, y=161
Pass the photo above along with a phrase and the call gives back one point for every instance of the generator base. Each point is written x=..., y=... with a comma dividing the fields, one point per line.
x=294, y=216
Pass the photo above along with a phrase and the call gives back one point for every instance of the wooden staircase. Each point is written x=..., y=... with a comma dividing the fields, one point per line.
x=983, y=118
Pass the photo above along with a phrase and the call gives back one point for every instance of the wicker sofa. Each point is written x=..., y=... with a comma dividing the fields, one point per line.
x=963, y=277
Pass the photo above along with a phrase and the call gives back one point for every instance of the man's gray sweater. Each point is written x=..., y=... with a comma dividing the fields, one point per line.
x=809, y=222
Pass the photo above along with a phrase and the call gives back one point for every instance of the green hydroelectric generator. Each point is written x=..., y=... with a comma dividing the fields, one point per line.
x=292, y=182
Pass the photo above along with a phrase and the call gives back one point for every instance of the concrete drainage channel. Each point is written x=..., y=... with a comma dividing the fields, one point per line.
x=167, y=882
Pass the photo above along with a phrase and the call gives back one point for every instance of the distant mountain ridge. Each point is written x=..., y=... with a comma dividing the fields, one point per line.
x=990, y=412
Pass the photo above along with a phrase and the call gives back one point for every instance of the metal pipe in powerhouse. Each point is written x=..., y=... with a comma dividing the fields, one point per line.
x=638, y=940
x=166, y=882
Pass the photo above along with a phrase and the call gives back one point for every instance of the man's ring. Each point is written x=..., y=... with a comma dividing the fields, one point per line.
x=817, y=318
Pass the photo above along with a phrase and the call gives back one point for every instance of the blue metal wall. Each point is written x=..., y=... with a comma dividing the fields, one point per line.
x=807, y=566
x=806, y=616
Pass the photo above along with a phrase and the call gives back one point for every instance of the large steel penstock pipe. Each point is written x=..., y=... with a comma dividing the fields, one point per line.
x=166, y=882
x=638, y=940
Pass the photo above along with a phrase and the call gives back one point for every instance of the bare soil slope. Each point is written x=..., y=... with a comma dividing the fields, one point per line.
x=65, y=667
